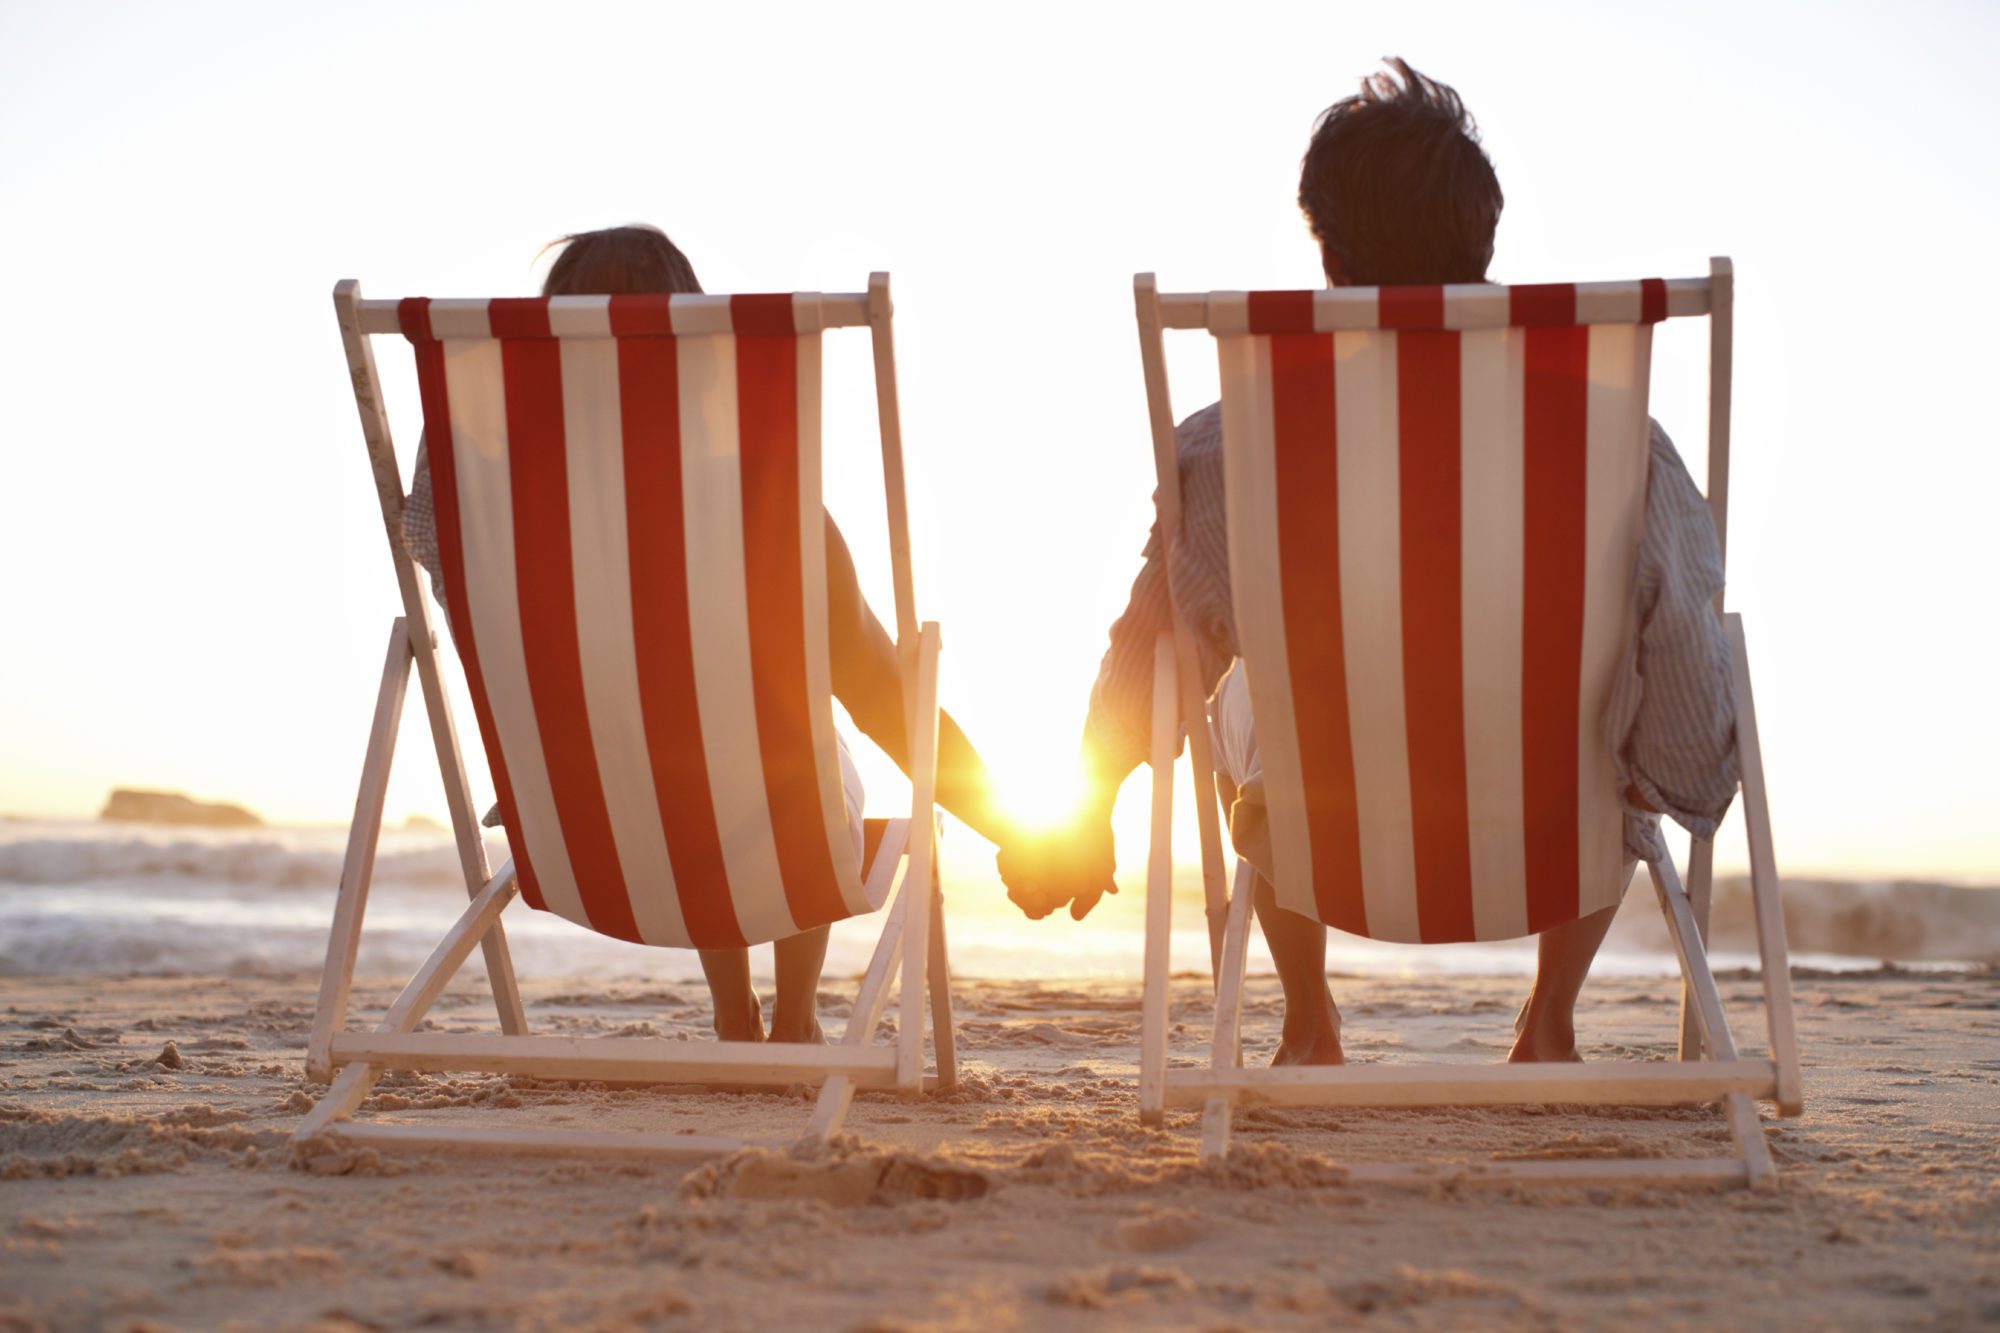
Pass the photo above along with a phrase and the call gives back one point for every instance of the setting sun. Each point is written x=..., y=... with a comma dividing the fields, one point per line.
x=1039, y=788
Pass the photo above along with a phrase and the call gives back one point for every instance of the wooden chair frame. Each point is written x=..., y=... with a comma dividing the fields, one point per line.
x=1709, y=1067
x=913, y=934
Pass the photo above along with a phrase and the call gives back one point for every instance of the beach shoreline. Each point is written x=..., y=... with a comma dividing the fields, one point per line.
x=145, y=1189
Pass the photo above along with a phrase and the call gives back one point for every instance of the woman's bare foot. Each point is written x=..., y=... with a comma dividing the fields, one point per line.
x=1532, y=1049
x=746, y=1024
x=1529, y=1049
x=1542, y=1041
x=808, y=1034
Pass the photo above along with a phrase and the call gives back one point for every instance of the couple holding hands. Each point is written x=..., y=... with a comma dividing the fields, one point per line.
x=1396, y=190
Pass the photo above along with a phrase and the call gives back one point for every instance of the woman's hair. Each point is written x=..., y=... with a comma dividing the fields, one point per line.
x=1396, y=187
x=619, y=261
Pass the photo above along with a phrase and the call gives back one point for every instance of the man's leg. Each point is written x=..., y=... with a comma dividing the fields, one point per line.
x=795, y=1016
x=1311, y=1034
x=1546, y=1029
x=1298, y=946
x=738, y=1015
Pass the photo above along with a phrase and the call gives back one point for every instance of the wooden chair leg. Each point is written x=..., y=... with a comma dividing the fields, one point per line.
x=363, y=836
x=1226, y=1051
x=837, y=1093
x=1201, y=765
x=923, y=860
x=1159, y=890
x=1747, y=1129
x=1744, y=1125
x=1700, y=881
x=943, y=1037
x=467, y=829
x=480, y=918
x=1773, y=955
x=1699, y=980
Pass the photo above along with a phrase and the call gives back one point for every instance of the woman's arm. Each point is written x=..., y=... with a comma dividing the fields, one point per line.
x=868, y=680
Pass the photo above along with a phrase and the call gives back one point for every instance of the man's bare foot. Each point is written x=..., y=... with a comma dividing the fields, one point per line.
x=1321, y=1048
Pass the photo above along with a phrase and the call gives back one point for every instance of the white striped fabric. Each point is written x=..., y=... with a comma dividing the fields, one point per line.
x=1431, y=537
x=629, y=507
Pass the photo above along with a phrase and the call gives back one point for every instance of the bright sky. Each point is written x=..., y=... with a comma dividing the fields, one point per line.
x=195, y=592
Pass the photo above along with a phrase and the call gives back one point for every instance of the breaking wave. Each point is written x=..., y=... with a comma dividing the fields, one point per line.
x=86, y=898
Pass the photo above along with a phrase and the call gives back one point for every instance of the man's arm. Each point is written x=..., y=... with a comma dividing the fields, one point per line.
x=1076, y=866
x=1672, y=721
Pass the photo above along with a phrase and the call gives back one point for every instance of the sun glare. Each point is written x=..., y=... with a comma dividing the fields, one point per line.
x=1039, y=795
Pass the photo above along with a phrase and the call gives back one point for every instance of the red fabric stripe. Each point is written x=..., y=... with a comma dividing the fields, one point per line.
x=1542, y=305
x=1652, y=300
x=1427, y=406
x=1304, y=453
x=414, y=314
x=655, y=522
x=1281, y=312
x=518, y=317
x=1410, y=308
x=767, y=397
x=546, y=590
x=642, y=316
x=451, y=552
x=1555, y=429
x=762, y=316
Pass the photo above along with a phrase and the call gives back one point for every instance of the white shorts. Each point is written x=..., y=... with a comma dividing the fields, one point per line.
x=1234, y=730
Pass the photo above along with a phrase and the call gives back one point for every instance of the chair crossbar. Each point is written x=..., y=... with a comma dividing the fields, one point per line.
x=1690, y=1172
x=1629, y=1083
x=1450, y=306
x=693, y=314
x=553, y=1142
x=625, y=1059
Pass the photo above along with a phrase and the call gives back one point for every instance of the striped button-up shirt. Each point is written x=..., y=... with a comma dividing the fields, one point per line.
x=1670, y=723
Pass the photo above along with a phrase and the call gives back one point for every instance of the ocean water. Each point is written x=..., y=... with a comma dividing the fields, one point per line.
x=82, y=898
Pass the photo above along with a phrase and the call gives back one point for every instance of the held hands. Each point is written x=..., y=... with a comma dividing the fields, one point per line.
x=1072, y=864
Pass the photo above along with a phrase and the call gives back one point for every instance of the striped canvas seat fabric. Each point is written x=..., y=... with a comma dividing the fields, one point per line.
x=1434, y=502
x=630, y=519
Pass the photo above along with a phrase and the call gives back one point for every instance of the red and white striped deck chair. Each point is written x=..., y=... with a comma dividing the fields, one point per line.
x=629, y=516
x=1434, y=500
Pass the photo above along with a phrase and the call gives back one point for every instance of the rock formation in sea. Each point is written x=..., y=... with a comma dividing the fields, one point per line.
x=133, y=805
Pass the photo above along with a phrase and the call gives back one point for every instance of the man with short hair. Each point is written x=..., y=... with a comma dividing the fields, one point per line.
x=1398, y=191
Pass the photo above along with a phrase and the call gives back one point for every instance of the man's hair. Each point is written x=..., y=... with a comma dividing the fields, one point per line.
x=619, y=261
x=1396, y=187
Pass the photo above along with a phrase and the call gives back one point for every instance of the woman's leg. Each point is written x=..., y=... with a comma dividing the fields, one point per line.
x=1546, y=1029
x=795, y=1016
x=738, y=1014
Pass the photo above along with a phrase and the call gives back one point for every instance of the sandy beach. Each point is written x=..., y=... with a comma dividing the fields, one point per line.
x=702, y=435
x=146, y=1180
